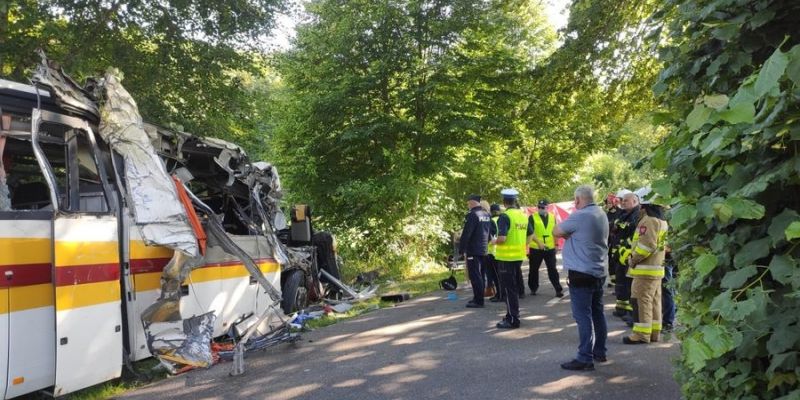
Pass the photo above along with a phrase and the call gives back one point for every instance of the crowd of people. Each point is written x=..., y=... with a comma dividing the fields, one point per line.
x=624, y=240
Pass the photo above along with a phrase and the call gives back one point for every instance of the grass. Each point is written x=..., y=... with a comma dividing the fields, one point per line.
x=415, y=286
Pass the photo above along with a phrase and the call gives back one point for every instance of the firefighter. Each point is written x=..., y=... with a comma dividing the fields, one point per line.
x=646, y=268
x=513, y=234
x=544, y=249
x=620, y=245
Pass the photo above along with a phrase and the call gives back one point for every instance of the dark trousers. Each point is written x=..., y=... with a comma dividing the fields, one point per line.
x=520, y=282
x=622, y=286
x=490, y=272
x=508, y=282
x=535, y=258
x=586, y=299
x=474, y=268
x=667, y=297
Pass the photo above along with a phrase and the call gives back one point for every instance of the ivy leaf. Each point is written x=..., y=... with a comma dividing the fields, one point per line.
x=739, y=113
x=717, y=339
x=717, y=101
x=793, y=230
x=789, y=378
x=782, y=339
x=696, y=354
x=782, y=268
x=663, y=187
x=741, y=310
x=698, y=117
x=681, y=214
x=745, y=209
x=736, y=278
x=751, y=251
x=716, y=140
x=723, y=211
x=793, y=69
x=771, y=72
x=761, y=17
x=785, y=361
x=705, y=264
x=779, y=224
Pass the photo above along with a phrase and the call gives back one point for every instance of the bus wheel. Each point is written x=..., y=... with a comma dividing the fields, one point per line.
x=295, y=296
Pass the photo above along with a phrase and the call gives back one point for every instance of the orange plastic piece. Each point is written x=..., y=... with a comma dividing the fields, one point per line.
x=194, y=220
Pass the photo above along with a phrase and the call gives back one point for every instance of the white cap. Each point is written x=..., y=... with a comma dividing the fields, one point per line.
x=623, y=192
x=509, y=193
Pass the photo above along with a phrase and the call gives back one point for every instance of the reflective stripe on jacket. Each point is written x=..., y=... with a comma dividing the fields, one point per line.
x=648, y=248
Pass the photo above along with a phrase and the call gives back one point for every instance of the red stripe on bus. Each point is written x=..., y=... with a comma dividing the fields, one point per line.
x=146, y=265
x=81, y=274
x=25, y=274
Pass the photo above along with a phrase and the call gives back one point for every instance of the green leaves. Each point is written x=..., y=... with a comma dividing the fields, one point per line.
x=782, y=267
x=793, y=68
x=682, y=214
x=717, y=101
x=751, y=251
x=771, y=72
x=698, y=117
x=793, y=230
x=739, y=113
x=736, y=278
x=738, y=140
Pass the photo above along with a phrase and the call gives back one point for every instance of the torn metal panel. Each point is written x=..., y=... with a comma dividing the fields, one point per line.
x=154, y=201
x=69, y=95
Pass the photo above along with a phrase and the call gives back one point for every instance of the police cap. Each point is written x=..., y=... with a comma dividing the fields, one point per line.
x=509, y=193
x=474, y=197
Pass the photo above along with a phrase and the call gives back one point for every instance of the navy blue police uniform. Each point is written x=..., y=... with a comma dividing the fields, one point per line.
x=474, y=244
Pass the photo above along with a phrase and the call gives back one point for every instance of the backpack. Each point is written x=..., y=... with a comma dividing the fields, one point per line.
x=449, y=283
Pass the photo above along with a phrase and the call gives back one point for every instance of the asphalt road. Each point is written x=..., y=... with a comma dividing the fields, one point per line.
x=432, y=347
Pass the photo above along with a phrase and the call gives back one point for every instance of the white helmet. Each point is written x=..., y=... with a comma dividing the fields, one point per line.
x=643, y=193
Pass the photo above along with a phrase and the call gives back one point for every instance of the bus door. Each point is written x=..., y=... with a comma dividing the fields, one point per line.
x=27, y=315
x=86, y=257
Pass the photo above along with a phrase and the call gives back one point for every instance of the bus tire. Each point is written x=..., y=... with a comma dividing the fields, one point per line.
x=295, y=295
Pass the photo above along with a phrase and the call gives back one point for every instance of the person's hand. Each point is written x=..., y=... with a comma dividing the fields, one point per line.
x=540, y=246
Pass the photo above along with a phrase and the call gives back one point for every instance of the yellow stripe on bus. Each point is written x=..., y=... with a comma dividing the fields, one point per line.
x=24, y=251
x=86, y=253
x=152, y=280
x=141, y=250
x=89, y=294
x=3, y=301
x=30, y=297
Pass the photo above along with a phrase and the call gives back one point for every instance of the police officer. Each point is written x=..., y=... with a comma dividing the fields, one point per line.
x=624, y=229
x=543, y=248
x=513, y=234
x=474, y=244
x=646, y=267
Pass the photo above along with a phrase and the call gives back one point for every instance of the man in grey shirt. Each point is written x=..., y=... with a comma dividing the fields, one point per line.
x=585, y=256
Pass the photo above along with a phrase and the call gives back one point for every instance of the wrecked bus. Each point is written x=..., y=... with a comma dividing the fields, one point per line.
x=103, y=261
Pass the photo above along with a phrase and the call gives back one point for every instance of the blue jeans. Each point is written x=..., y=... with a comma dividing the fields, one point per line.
x=667, y=297
x=587, y=309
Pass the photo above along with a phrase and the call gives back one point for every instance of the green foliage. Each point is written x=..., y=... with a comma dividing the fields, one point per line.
x=384, y=101
x=189, y=64
x=731, y=73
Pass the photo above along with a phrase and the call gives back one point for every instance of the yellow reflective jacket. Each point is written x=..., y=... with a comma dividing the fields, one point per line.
x=648, y=248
